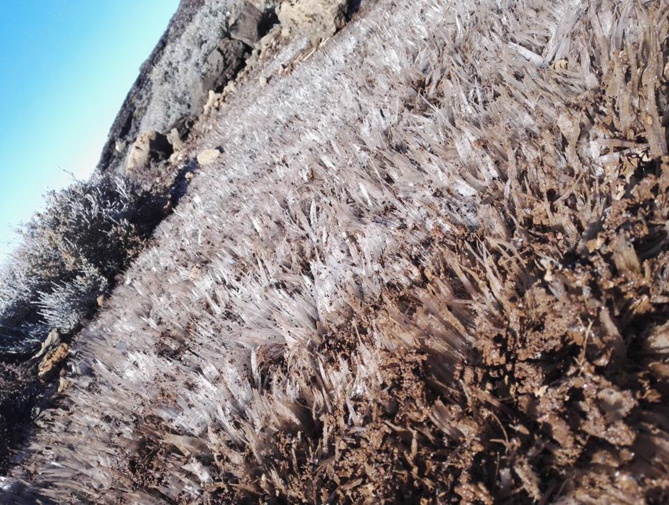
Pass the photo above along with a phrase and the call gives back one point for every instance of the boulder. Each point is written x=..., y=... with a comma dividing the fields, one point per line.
x=149, y=147
x=174, y=138
x=243, y=24
x=208, y=156
x=52, y=360
x=319, y=18
x=222, y=65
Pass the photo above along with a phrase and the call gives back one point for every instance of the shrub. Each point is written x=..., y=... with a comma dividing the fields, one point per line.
x=88, y=224
x=67, y=304
x=70, y=255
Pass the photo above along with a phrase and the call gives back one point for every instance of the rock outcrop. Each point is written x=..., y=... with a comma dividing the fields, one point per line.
x=244, y=23
x=149, y=148
x=221, y=66
x=204, y=47
x=319, y=18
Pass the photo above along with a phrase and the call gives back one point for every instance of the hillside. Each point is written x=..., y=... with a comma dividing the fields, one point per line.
x=412, y=252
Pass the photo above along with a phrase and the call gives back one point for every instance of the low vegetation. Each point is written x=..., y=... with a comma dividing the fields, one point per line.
x=68, y=259
x=69, y=255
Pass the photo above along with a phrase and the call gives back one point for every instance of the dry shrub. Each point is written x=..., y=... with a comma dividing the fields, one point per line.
x=69, y=255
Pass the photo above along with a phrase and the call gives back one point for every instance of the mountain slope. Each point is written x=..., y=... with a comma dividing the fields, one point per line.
x=427, y=266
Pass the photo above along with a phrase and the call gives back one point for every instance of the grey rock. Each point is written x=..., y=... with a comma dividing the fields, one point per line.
x=244, y=22
x=222, y=65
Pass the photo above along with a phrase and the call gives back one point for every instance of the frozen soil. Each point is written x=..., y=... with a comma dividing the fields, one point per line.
x=430, y=266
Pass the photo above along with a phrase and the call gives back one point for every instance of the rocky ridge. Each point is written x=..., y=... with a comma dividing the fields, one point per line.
x=203, y=48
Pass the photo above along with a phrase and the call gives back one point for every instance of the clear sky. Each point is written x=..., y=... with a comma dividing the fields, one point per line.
x=65, y=69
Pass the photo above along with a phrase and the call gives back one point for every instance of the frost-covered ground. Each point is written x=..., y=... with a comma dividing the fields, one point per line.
x=429, y=266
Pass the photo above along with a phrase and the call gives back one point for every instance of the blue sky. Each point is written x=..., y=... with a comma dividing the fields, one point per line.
x=65, y=69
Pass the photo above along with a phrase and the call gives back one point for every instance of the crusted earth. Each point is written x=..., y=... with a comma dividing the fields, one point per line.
x=427, y=265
